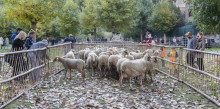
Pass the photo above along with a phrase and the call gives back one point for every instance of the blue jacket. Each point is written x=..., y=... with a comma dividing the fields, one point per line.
x=40, y=44
x=13, y=37
x=29, y=42
x=68, y=39
x=191, y=43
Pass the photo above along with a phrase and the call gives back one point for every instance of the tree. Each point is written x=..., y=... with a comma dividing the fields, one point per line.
x=32, y=11
x=68, y=18
x=88, y=17
x=116, y=15
x=163, y=18
x=206, y=14
x=145, y=8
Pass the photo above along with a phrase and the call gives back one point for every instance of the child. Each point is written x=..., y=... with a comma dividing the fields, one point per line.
x=172, y=57
x=163, y=49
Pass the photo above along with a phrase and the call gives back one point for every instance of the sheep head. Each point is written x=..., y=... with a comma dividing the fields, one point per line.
x=147, y=57
x=124, y=52
x=138, y=51
x=56, y=59
x=157, y=53
x=154, y=59
x=73, y=50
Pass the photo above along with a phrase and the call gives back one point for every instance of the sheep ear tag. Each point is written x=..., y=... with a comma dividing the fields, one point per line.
x=51, y=60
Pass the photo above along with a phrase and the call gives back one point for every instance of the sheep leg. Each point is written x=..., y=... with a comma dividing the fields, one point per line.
x=83, y=74
x=65, y=73
x=145, y=76
x=150, y=73
x=70, y=74
x=121, y=80
x=129, y=81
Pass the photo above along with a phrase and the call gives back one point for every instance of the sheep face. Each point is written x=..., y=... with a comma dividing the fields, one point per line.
x=56, y=59
x=147, y=57
x=157, y=53
x=154, y=59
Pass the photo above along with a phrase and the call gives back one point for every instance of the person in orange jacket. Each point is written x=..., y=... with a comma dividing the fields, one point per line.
x=172, y=57
x=163, y=49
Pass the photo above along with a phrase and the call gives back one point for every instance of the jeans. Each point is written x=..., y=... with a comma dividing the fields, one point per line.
x=200, y=63
x=163, y=63
x=190, y=59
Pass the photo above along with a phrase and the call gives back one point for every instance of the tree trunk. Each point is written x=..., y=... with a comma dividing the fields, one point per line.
x=33, y=26
x=95, y=35
x=141, y=35
x=164, y=38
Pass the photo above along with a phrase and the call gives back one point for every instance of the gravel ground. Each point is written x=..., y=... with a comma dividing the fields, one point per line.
x=103, y=93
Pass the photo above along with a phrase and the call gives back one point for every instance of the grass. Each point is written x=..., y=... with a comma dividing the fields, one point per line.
x=5, y=50
x=213, y=49
x=17, y=103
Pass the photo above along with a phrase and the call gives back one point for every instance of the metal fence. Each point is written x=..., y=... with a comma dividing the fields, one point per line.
x=204, y=78
x=205, y=81
x=22, y=70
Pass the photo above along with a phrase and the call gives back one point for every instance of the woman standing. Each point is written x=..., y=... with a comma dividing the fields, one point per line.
x=18, y=45
x=200, y=45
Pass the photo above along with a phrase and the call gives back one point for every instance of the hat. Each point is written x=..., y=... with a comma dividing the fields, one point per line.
x=188, y=34
x=18, y=29
x=70, y=35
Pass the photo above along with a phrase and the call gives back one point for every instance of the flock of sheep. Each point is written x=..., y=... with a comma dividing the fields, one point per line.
x=114, y=62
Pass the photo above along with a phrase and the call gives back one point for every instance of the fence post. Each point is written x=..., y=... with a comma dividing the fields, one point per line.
x=180, y=61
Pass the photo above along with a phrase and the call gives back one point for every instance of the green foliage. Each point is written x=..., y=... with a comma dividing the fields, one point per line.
x=68, y=18
x=89, y=18
x=206, y=14
x=31, y=11
x=116, y=15
x=163, y=18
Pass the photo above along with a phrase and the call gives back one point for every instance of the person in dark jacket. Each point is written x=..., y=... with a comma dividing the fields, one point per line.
x=15, y=34
x=200, y=45
x=69, y=39
x=37, y=58
x=191, y=44
x=19, y=63
x=29, y=40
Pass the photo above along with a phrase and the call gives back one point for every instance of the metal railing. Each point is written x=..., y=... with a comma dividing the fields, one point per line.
x=205, y=81
x=22, y=70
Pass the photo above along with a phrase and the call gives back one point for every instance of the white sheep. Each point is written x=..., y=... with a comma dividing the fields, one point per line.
x=103, y=64
x=81, y=54
x=92, y=61
x=86, y=54
x=128, y=57
x=134, y=68
x=70, y=54
x=69, y=64
x=150, y=66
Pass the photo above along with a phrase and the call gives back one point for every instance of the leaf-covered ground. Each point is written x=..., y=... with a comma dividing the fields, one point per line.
x=96, y=92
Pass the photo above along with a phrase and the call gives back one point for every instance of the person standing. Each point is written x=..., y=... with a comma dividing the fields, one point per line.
x=6, y=43
x=149, y=37
x=174, y=41
x=37, y=58
x=18, y=45
x=68, y=39
x=29, y=40
x=163, y=49
x=172, y=57
x=200, y=45
x=191, y=44
x=1, y=42
x=15, y=34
